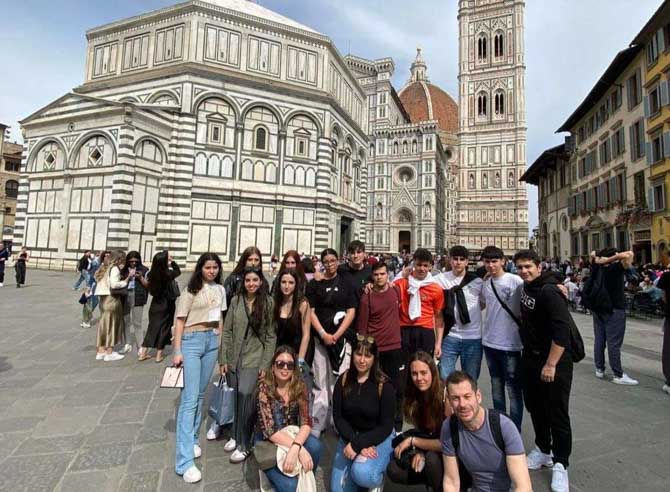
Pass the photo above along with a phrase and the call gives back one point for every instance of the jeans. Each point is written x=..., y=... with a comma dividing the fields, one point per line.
x=470, y=352
x=83, y=278
x=200, y=351
x=348, y=475
x=283, y=483
x=609, y=330
x=548, y=405
x=505, y=371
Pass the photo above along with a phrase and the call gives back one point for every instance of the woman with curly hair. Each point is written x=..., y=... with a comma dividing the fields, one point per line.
x=417, y=455
x=291, y=261
x=247, y=345
x=283, y=401
x=110, y=325
x=164, y=291
x=364, y=411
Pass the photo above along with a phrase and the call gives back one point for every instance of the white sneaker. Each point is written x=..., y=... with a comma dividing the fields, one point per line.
x=239, y=456
x=113, y=356
x=126, y=348
x=559, y=479
x=625, y=379
x=2, y=285
x=666, y=388
x=379, y=487
x=537, y=459
x=87, y=325
x=213, y=431
x=197, y=451
x=231, y=445
x=100, y=356
x=192, y=475
x=600, y=374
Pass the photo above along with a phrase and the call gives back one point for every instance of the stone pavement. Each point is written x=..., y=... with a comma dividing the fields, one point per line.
x=70, y=423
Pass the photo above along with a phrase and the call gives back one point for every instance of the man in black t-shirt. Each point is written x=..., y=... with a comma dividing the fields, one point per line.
x=609, y=328
x=664, y=285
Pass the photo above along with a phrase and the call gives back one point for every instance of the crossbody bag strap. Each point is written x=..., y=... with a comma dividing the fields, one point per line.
x=505, y=306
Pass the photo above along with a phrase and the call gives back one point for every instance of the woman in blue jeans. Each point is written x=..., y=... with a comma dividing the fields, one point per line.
x=364, y=412
x=282, y=401
x=196, y=343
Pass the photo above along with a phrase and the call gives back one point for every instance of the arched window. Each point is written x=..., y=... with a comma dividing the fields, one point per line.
x=395, y=148
x=414, y=146
x=404, y=147
x=485, y=180
x=499, y=44
x=499, y=103
x=510, y=179
x=380, y=210
x=427, y=210
x=12, y=188
x=482, y=105
x=49, y=158
x=95, y=152
x=482, y=48
x=260, y=138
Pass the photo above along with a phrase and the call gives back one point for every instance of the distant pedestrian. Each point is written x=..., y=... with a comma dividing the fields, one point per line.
x=164, y=291
x=110, y=325
x=4, y=256
x=83, y=268
x=20, y=267
x=135, y=300
x=274, y=263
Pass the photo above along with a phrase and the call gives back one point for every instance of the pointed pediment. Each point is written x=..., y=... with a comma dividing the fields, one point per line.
x=403, y=199
x=63, y=105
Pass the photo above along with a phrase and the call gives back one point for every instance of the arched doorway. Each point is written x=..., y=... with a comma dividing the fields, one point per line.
x=404, y=219
x=405, y=242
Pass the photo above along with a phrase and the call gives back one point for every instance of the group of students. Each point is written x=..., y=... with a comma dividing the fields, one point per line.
x=119, y=284
x=356, y=350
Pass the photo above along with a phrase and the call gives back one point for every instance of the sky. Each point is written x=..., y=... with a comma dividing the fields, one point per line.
x=569, y=44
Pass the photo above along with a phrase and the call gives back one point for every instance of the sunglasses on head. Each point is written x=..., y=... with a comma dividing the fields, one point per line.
x=365, y=338
x=282, y=364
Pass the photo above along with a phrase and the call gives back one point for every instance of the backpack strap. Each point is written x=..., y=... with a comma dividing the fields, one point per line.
x=453, y=430
x=496, y=431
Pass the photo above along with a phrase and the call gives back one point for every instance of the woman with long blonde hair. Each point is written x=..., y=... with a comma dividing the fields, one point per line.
x=110, y=325
x=283, y=401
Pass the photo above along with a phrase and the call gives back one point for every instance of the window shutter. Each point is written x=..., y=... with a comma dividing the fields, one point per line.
x=638, y=82
x=664, y=93
x=666, y=144
x=661, y=40
x=633, y=147
x=647, y=110
x=650, y=158
x=629, y=93
x=612, y=190
x=640, y=138
x=650, y=199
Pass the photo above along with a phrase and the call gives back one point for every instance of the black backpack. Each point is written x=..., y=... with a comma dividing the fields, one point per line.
x=83, y=264
x=494, y=423
x=594, y=295
x=577, y=350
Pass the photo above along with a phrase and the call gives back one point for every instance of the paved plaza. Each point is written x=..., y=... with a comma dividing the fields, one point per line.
x=70, y=423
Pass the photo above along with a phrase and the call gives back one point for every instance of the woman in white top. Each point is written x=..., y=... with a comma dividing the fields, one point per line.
x=110, y=326
x=196, y=343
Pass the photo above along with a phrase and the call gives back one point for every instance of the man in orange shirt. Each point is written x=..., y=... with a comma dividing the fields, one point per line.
x=421, y=302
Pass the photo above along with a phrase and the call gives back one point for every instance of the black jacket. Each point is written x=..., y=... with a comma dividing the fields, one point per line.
x=545, y=315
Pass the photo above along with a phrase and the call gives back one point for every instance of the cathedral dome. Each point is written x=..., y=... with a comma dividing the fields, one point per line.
x=424, y=101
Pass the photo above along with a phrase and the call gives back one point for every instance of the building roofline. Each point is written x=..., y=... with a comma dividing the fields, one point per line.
x=616, y=67
x=653, y=24
x=542, y=162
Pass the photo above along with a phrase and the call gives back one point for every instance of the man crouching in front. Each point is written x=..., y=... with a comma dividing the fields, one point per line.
x=481, y=448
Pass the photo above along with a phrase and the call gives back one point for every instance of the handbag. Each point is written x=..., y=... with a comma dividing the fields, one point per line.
x=265, y=453
x=222, y=402
x=173, y=377
x=119, y=291
x=172, y=290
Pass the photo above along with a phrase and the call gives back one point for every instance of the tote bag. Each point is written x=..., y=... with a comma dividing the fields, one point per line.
x=222, y=402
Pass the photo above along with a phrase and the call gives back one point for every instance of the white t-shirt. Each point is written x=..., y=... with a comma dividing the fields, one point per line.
x=500, y=331
x=472, y=291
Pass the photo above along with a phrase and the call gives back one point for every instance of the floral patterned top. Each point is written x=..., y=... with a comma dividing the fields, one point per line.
x=274, y=415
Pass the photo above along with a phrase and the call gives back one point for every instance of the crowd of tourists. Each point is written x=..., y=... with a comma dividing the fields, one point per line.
x=367, y=346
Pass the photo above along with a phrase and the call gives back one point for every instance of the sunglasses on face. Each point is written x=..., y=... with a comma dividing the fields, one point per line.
x=365, y=338
x=282, y=364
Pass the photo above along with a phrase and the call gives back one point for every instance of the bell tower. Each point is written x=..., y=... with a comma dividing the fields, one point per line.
x=492, y=203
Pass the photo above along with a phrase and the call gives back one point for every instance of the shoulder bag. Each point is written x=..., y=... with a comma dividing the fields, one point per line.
x=505, y=306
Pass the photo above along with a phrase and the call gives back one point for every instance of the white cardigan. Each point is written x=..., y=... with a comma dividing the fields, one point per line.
x=112, y=279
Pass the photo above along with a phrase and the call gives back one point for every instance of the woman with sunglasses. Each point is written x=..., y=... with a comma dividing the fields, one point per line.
x=247, y=345
x=364, y=410
x=283, y=401
x=332, y=310
x=196, y=341
x=135, y=300
x=418, y=455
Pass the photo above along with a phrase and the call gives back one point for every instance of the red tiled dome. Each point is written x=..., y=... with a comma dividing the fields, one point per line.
x=424, y=101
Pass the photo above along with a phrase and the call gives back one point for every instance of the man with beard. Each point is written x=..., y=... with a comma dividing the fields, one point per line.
x=485, y=444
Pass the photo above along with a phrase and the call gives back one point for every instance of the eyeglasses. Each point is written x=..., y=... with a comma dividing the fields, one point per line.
x=282, y=364
x=365, y=338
